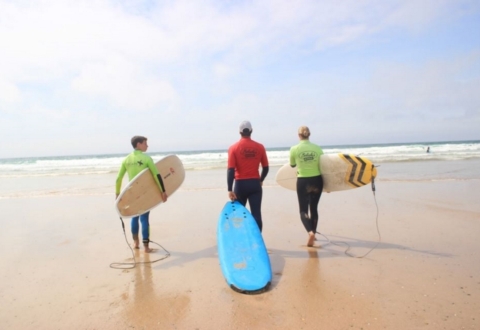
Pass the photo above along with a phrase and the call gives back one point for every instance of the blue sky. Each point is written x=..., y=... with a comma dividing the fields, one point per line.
x=82, y=77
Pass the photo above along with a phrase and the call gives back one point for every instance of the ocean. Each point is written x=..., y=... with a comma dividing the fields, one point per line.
x=217, y=159
x=206, y=170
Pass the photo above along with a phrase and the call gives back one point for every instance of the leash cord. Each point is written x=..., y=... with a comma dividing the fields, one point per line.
x=131, y=265
x=378, y=232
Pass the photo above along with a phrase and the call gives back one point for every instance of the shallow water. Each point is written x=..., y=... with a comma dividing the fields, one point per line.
x=104, y=184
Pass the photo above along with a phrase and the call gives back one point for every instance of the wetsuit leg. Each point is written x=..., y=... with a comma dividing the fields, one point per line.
x=134, y=227
x=255, y=202
x=251, y=190
x=315, y=195
x=240, y=192
x=303, y=201
x=145, y=227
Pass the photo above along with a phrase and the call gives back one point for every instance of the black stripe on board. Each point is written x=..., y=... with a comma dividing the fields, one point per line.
x=351, y=177
x=362, y=170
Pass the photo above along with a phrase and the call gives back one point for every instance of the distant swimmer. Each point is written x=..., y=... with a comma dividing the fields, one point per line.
x=428, y=150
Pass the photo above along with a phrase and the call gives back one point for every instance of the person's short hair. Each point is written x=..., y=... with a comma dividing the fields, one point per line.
x=137, y=139
x=304, y=131
x=245, y=128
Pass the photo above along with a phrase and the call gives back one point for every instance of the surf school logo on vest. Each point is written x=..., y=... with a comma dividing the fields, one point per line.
x=249, y=153
x=308, y=156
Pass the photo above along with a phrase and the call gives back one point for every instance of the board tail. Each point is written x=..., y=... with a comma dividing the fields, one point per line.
x=251, y=292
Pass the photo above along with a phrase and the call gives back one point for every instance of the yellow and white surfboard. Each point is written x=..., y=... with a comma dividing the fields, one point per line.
x=339, y=172
x=142, y=193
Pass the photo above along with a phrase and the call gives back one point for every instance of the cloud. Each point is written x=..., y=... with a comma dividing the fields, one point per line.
x=9, y=92
x=437, y=89
x=55, y=38
x=124, y=84
x=110, y=68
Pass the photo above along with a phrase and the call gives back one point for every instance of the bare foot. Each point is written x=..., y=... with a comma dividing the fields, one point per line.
x=147, y=249
x=136, y=244
x=311, y=239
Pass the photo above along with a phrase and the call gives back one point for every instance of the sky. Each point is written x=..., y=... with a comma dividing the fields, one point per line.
x=82, y=77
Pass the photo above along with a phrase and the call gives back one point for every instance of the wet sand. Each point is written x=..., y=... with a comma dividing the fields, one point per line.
x=57, y=247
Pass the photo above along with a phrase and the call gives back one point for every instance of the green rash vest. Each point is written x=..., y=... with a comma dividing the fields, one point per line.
x=133, y=164
x=306, y=157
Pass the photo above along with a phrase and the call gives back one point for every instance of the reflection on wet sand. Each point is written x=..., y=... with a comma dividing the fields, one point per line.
x=310, y=283
x=147, y=306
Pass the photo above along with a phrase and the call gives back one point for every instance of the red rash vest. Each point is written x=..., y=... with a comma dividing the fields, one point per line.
x=245, y=156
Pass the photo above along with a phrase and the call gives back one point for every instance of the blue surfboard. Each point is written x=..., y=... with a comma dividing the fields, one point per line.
x=243, y=256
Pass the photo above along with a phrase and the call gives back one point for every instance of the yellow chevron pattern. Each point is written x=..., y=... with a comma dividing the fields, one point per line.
x=360, y=170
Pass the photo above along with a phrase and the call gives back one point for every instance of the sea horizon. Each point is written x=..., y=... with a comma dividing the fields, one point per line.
x=196, y=151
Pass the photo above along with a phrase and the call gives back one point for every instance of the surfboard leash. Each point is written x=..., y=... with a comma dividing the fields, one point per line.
x=378, y=231
x=131, y=265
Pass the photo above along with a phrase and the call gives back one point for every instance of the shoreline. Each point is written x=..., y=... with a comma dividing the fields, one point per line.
x=103, y=184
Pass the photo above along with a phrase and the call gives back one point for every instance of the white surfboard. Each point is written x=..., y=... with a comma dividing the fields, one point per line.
x=142, y=194
x=339, y=172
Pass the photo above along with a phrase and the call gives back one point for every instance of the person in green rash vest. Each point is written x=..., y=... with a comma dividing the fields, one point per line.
x=306, y=157
x=133, y=164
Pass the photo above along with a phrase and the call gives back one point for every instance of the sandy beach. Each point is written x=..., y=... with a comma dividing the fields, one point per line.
x=60, y=235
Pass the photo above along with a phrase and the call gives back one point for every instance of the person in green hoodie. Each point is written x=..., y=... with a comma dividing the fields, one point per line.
x=306, y=157
x=133, y=164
